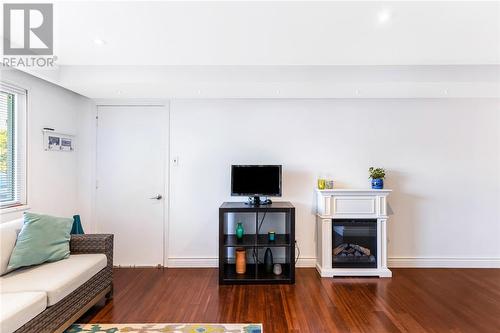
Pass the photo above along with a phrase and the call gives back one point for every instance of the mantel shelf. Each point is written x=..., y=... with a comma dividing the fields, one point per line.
x=351, y=190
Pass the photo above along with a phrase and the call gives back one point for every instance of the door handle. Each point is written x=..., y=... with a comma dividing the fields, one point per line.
x=157, y=197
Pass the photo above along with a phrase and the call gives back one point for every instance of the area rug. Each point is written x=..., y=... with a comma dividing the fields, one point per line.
x=166, y=328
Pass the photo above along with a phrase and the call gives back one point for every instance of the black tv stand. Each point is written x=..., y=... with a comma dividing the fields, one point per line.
x=255, y=242
x=255, y=201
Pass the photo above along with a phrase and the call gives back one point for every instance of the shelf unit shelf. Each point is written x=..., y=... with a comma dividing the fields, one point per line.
x=255, y=244
x=281, y=240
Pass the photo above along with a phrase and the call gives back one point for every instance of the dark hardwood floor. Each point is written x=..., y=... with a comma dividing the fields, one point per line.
x=414, y=300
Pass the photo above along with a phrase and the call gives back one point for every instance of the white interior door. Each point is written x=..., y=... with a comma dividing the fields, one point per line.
x=131, y=176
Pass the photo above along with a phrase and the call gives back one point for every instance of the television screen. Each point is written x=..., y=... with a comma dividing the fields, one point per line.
x=256, y=180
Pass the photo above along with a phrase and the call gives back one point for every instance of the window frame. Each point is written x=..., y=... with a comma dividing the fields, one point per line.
x=20, y=147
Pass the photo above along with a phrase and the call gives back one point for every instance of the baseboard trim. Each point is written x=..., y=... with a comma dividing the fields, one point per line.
x=214, y=262
x=434, y=262
x=192, y=262
x=393, y=262
x=306, y=262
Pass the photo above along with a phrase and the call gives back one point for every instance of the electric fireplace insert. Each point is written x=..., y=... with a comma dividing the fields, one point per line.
x=354, y=243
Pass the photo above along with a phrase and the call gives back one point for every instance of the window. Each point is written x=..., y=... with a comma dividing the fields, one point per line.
x=12, y=146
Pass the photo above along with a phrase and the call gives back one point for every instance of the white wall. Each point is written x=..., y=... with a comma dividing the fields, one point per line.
x=54, y=178
x=442, y=157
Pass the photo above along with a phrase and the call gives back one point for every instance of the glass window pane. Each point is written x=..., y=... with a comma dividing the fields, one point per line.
x=7, y=175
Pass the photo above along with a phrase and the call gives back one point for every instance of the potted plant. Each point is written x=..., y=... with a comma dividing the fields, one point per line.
x=377, y=175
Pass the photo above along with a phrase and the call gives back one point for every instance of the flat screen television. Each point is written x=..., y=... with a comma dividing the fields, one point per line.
x=256, y=181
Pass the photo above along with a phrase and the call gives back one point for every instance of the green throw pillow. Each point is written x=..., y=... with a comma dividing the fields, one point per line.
x=43, y=238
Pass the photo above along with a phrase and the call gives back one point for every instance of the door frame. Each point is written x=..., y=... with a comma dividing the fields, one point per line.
x=165, y=104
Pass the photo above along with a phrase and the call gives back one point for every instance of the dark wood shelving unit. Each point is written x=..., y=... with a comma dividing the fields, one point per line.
x=256, y=243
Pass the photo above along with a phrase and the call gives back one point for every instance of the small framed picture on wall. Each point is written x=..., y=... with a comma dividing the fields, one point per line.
x=66, y=144
x=53, y=141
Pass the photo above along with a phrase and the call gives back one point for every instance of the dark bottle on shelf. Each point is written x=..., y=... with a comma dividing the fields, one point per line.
x=268, y=261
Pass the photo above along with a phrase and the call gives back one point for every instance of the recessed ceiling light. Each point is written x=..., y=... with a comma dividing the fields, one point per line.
x=384, y=16
x=99, y=41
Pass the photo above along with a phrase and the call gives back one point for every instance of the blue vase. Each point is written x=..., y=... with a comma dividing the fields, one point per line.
x=377, y=184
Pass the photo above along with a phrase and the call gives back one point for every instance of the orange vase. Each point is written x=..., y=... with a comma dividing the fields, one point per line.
x=241, y=261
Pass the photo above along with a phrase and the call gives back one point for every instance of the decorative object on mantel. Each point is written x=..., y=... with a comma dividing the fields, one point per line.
x=239, y=231
x=325, y=183
x=321, y=183
x=352, y=232
x=268, y=261
x=55, y=141
x=241, y=260
x=277, y=270
x=377, y=175
x=271, y=236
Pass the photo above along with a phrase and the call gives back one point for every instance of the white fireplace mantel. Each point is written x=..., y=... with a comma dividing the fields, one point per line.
x=351, y=204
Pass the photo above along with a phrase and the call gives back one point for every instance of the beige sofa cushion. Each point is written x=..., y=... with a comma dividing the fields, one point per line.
x=8, y=237
x=16, y=309
x=58, y=279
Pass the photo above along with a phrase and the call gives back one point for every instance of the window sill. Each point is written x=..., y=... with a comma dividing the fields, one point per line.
x=8, y=210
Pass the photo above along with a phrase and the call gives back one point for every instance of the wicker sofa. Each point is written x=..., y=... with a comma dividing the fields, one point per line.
x=49, y=307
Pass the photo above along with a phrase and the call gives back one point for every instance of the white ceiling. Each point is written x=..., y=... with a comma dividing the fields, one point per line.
x=277, y=33
x=453, y=81
x=284, y=49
